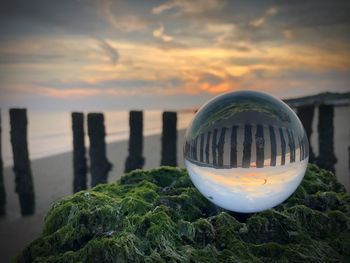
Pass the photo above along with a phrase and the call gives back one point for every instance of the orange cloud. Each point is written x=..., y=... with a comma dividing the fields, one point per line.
x=69, y=93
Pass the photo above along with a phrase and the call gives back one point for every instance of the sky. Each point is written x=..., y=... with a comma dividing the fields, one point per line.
x=175, y=54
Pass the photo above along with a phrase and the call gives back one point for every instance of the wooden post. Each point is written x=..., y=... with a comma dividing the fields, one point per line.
x=21, y=164
x=306, y=116
x=233, y=148
x=326, y=158
x=2, y=185
x=247, y=146
x=135, y=160
x=79, y=159
x=169, y=139
x=260, y=145
x=273, y=146
x=99, y=164
x=221, y=144
x=207, y=151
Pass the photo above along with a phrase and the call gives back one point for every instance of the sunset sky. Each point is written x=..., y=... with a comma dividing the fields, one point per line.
x=103, y=54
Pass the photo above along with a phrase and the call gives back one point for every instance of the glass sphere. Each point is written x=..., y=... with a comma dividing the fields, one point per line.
x=246, y=151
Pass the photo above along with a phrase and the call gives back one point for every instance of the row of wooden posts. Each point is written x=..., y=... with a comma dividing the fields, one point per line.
x=99, y=163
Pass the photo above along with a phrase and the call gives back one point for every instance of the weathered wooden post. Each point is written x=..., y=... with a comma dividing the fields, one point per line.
x=99, y=164
x=21, y=164
x=79, y=159
x=169, y=139
x=2, y=185
x=306, y=116
x=135, y=160
x=326, y=158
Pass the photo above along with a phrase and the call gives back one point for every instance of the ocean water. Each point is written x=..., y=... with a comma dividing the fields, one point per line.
x=50, y=133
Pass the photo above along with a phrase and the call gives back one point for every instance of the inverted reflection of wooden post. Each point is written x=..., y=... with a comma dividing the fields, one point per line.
x=306, y=116
x=207, y=148
x=201, y=148
x=247, y=146
x=214, y=147
x=169, y=139
x=221, y=144
x=99, y=164
x=233, y=148
x=21, y=163
x=326, y=158
x=195, y=149
x=291, y=144
x=2, y=185
x=283, y=147
x=79, y=159
x=301, y=155
x=273, y=146
x=135, y=160
x=191, y=148
x=187, y=150
x=305, y=152
x=260, y=143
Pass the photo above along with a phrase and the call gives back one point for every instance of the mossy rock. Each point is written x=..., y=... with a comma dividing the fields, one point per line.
x=158, y=216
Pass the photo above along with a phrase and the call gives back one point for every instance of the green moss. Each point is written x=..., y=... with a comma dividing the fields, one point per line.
x=158, y=216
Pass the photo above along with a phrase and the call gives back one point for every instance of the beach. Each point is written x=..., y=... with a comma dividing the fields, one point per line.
x=53, y=179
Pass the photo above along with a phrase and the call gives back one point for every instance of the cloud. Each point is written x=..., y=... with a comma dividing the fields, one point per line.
x=288, y=33
x=123, y=22
x=110, y=51
x=159, y=33
x=184, y=6
x=257, y=23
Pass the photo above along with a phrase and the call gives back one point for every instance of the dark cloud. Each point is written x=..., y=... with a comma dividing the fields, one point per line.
x=110, y=51
x=49, y=17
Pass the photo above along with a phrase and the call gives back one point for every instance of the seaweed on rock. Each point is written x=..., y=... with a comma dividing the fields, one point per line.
x=158, y=216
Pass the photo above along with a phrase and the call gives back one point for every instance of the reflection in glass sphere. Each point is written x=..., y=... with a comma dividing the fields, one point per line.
x=246, y=151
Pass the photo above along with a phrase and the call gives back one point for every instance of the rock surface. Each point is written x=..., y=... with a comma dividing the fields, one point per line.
x=158, y=216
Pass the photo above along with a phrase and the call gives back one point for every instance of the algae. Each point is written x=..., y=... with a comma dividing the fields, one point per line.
x=158, y=216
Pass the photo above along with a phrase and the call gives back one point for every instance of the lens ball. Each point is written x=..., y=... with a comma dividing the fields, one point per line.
x=246, y=151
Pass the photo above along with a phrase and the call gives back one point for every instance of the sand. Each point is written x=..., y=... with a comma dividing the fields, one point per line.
x=53, y=179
